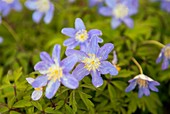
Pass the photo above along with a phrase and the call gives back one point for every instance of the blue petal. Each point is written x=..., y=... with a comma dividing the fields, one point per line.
x=79, y=54
x=6, y=11
x=46, y=57
x=42, y=67
x=37, y=16
x=129, y=22
x=30, y=80
x=80, y=72
x=155, y=83
x=160, y=57
x=131, y=86
x=93, y=45
x=146, y=91
x=94, y=32
x=79, y=24
x=105, y=50
x=105, y=11
x=111, y=3
x=70, y=43
x=40, y=81
x=31, y=5
x=153, y=88
x=52, y=88
x=68, y=63
x=56, y=54
x=69, y=81
x=115, y=23
x=96, y=79
x=106, y=67
x=140, y=93
x=68, y=31
x=36, y=94
x=165, y=63
x=49, y=15
x=17, y=6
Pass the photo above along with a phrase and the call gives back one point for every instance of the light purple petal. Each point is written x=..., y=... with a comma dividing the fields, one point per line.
x=105, y=11
x=17, y=6
x=111, y=3
x=69, y=81
x=94, y=32
x=96, y=79
x=68, y=63
x=160, y=57
x=80, y=72
x=79, y=24
x=165, y=64
x=68, y=32
x=6, y=11
x=140, y=93
x=146, y=91
x=40, y=81
x=79, y=54
x=93, y=45
x=36, y=94
x=42, y=67
x=105, y=50
x=153, y=88
x=49, y=15
x=155, y=83
x=71, y=43
x=106, y=67
x=46, y=57
x=31, y=5
x=30, y=80
x=131, y=86
x=56, y=54
x=52, y=88
x=115, y=23
x=129, y=22
x=37, y=16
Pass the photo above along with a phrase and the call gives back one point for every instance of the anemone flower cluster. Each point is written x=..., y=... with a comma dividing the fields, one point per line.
x=91, y=59
x=120, y=11
x=42, y=8
x=7, y=5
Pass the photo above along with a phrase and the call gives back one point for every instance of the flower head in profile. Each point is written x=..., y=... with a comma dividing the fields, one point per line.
x=93, y=61
x=115, y=60
x=42, y=8
x=144, y=83
x=7, y=5
x=120, y=11
x=37, y=93
x=79, y=35
x=165, y=5
x=165, y=56
x=54, y=72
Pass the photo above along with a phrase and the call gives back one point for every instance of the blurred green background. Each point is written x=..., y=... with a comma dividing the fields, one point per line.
x=24, y=40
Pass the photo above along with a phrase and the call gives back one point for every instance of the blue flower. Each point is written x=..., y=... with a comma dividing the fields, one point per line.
x=96, y=2
x=54, y=72
x=145, y=83
x=1, y=39
x=93, y=61
x=120, y=11
x=42, y=8
x=165, y=56
x=165, y=5
x=37, y=93
x=7, y=5
x=79, y=35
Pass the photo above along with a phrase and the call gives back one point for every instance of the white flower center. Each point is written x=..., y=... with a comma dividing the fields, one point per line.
x=43, y=5
x=142, y=83
x=81, y=35
x=167, y=52
x=8, y=1
x=55, y=73
x=91, y=62
x=120, y=11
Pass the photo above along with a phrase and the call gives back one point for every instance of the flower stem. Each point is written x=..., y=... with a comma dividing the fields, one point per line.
x=154, y=42
x=138, y=65
x=10, y=30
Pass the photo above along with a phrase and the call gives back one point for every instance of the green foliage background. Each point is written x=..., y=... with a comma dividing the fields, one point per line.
x=24, y=40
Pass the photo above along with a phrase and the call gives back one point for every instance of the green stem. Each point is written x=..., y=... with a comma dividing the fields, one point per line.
x=154, y=42
x=138, y=65
x=10, y=30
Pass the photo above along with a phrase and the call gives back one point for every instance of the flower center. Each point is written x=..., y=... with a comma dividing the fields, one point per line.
x=43, y=5
x=55, y=73
x=8, y=1
x=120, y=11
x=38, y=89
x=91, y=62
x=167, y=52
x=142, y=83
x=81, y=35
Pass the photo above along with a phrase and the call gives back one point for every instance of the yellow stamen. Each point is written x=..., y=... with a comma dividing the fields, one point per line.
x=55, y=73
x=81, y=35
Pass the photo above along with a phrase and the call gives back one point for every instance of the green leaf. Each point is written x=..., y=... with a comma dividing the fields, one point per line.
x=22, y=103
x=73, y=101
x=37, y=105
x=85, y=97
x=112, y=93
x=52, y=110
x=3, y=109
x=17, y=74
x=124, y=74
x=120, y=85
x=68, y=109
x=14, y=112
